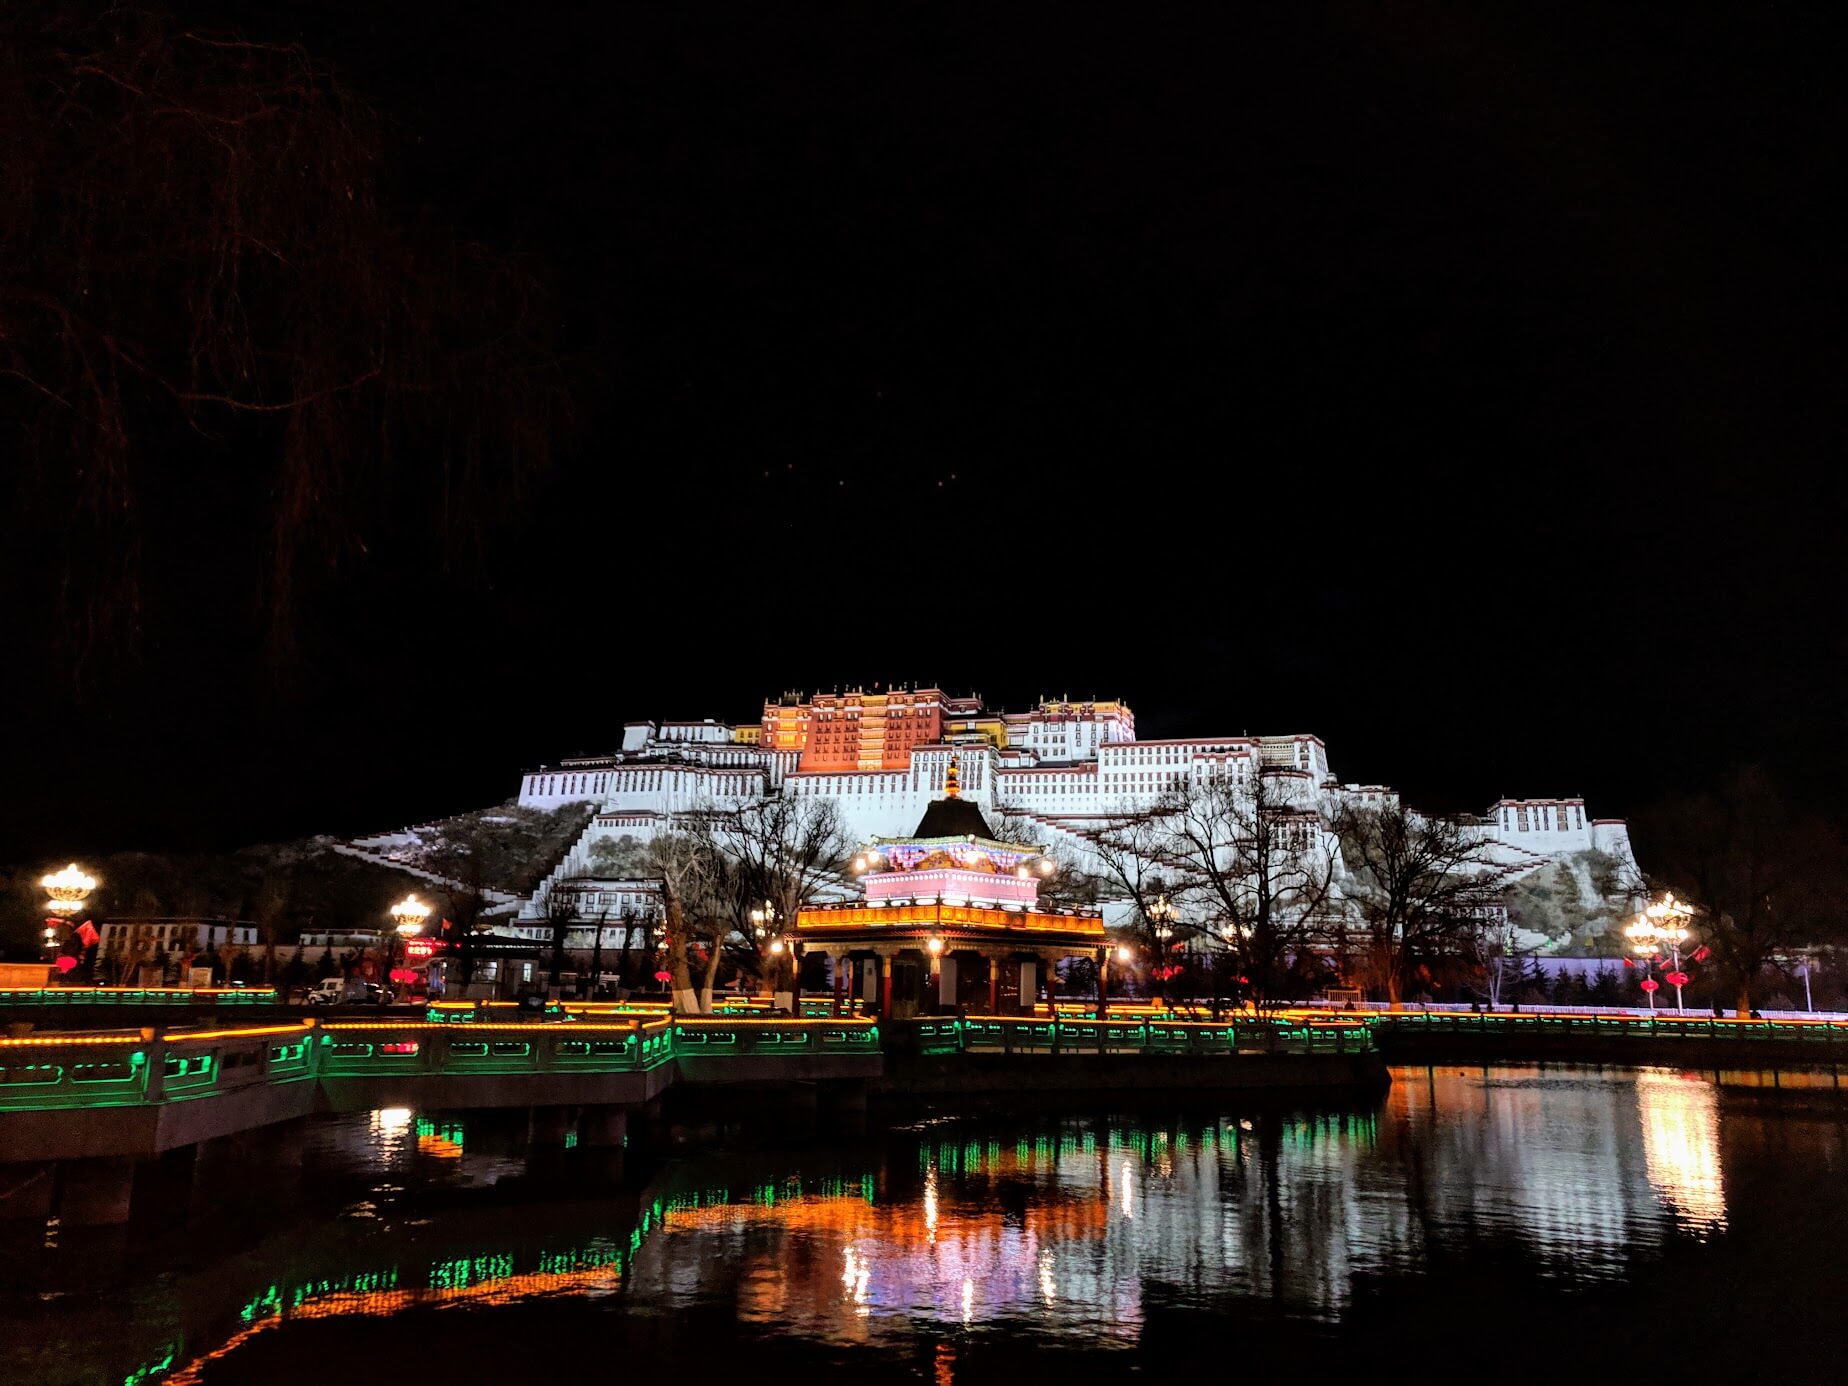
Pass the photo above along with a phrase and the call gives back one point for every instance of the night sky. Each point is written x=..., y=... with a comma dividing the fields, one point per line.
x=1462, y=387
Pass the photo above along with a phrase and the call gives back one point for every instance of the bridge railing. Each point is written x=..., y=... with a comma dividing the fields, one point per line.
x=365, y=1048
x=1140, y=1035
x=728, y=1036
x=130, y=1068
x=1811, y=1032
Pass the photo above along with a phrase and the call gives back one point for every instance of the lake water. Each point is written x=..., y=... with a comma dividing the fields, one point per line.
x=1521, y=1222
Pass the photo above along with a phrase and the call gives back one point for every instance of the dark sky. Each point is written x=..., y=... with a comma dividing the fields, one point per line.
x=1461, y=386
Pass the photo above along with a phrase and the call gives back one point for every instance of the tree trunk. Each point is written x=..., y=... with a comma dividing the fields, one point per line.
x=1744, y=1011
x=712, y=971
x=686, y=1002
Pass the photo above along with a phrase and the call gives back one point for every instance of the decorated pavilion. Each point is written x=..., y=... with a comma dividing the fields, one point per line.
x=950, y=920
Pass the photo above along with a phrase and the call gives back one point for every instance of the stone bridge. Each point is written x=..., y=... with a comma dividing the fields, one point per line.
x=82, y=1110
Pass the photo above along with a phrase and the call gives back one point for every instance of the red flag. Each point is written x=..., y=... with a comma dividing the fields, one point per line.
x=86, y=934
x=1702, y=953
x=1628, y=963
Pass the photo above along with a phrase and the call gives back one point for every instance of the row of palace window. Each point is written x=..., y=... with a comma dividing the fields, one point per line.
x=1540, y=815
x=569, y=784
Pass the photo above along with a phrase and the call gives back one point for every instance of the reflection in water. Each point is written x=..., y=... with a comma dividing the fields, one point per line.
x=942, y=1238
x=1681, y=1143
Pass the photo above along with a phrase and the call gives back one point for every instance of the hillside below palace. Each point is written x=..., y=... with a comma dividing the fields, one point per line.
x=1063, y=768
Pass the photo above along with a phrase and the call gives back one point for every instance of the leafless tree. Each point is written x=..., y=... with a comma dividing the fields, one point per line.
x=1248, y=867
x=688, y=865
x=463, y=859
x=1761, y=879
x=1413, y=880
x=784, y=851
x=203, y=264
x=272, y=909
x=1070, y=883
x=1494, y=941
x=561, y=912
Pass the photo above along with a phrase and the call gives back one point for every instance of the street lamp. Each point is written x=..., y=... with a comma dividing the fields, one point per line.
x=1665, y=922
x=409, y=914
x=765, y=922
x=67, y=892
x=1161, y=923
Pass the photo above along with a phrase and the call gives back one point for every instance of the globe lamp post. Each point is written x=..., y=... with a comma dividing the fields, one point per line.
x=410, y=915
x=1668, y=918
x=67, y=892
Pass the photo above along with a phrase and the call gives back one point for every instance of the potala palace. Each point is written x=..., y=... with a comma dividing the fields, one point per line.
x=1064, y=767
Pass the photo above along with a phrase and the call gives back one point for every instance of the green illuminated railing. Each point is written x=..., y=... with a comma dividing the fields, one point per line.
x=717, y=1037
x=1502, y=1023
x=1079, y=1035
x=384, y=1048
x=118, y=1069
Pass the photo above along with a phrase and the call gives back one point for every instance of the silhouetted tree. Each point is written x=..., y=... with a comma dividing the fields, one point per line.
x=208, y=282
x=1249, y=867
x=1761, y=879
x=1412, y=880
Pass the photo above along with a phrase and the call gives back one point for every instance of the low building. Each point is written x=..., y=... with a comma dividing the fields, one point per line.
x=172, y=935
x=317, y=944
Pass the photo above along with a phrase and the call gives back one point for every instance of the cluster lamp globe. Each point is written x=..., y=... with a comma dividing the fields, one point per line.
x=68, y=890
x=409, y=915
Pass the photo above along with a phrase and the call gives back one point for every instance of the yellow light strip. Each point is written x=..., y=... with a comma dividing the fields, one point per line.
x=725, y=1022
x=299, y=1028
x=525, y=1028
x=49, y=1040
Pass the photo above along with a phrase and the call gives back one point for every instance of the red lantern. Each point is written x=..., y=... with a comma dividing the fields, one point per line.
x=66, y=962
x=1677, y=979
x=664, y=976
x=1650, y=984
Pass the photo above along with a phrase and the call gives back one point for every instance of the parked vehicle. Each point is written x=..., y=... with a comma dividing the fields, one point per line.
x=335, y=991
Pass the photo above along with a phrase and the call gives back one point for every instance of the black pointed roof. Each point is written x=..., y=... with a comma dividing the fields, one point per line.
x=953, y=818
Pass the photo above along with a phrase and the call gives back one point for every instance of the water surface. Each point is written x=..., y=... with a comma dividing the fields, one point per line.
x=1528, y=1221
